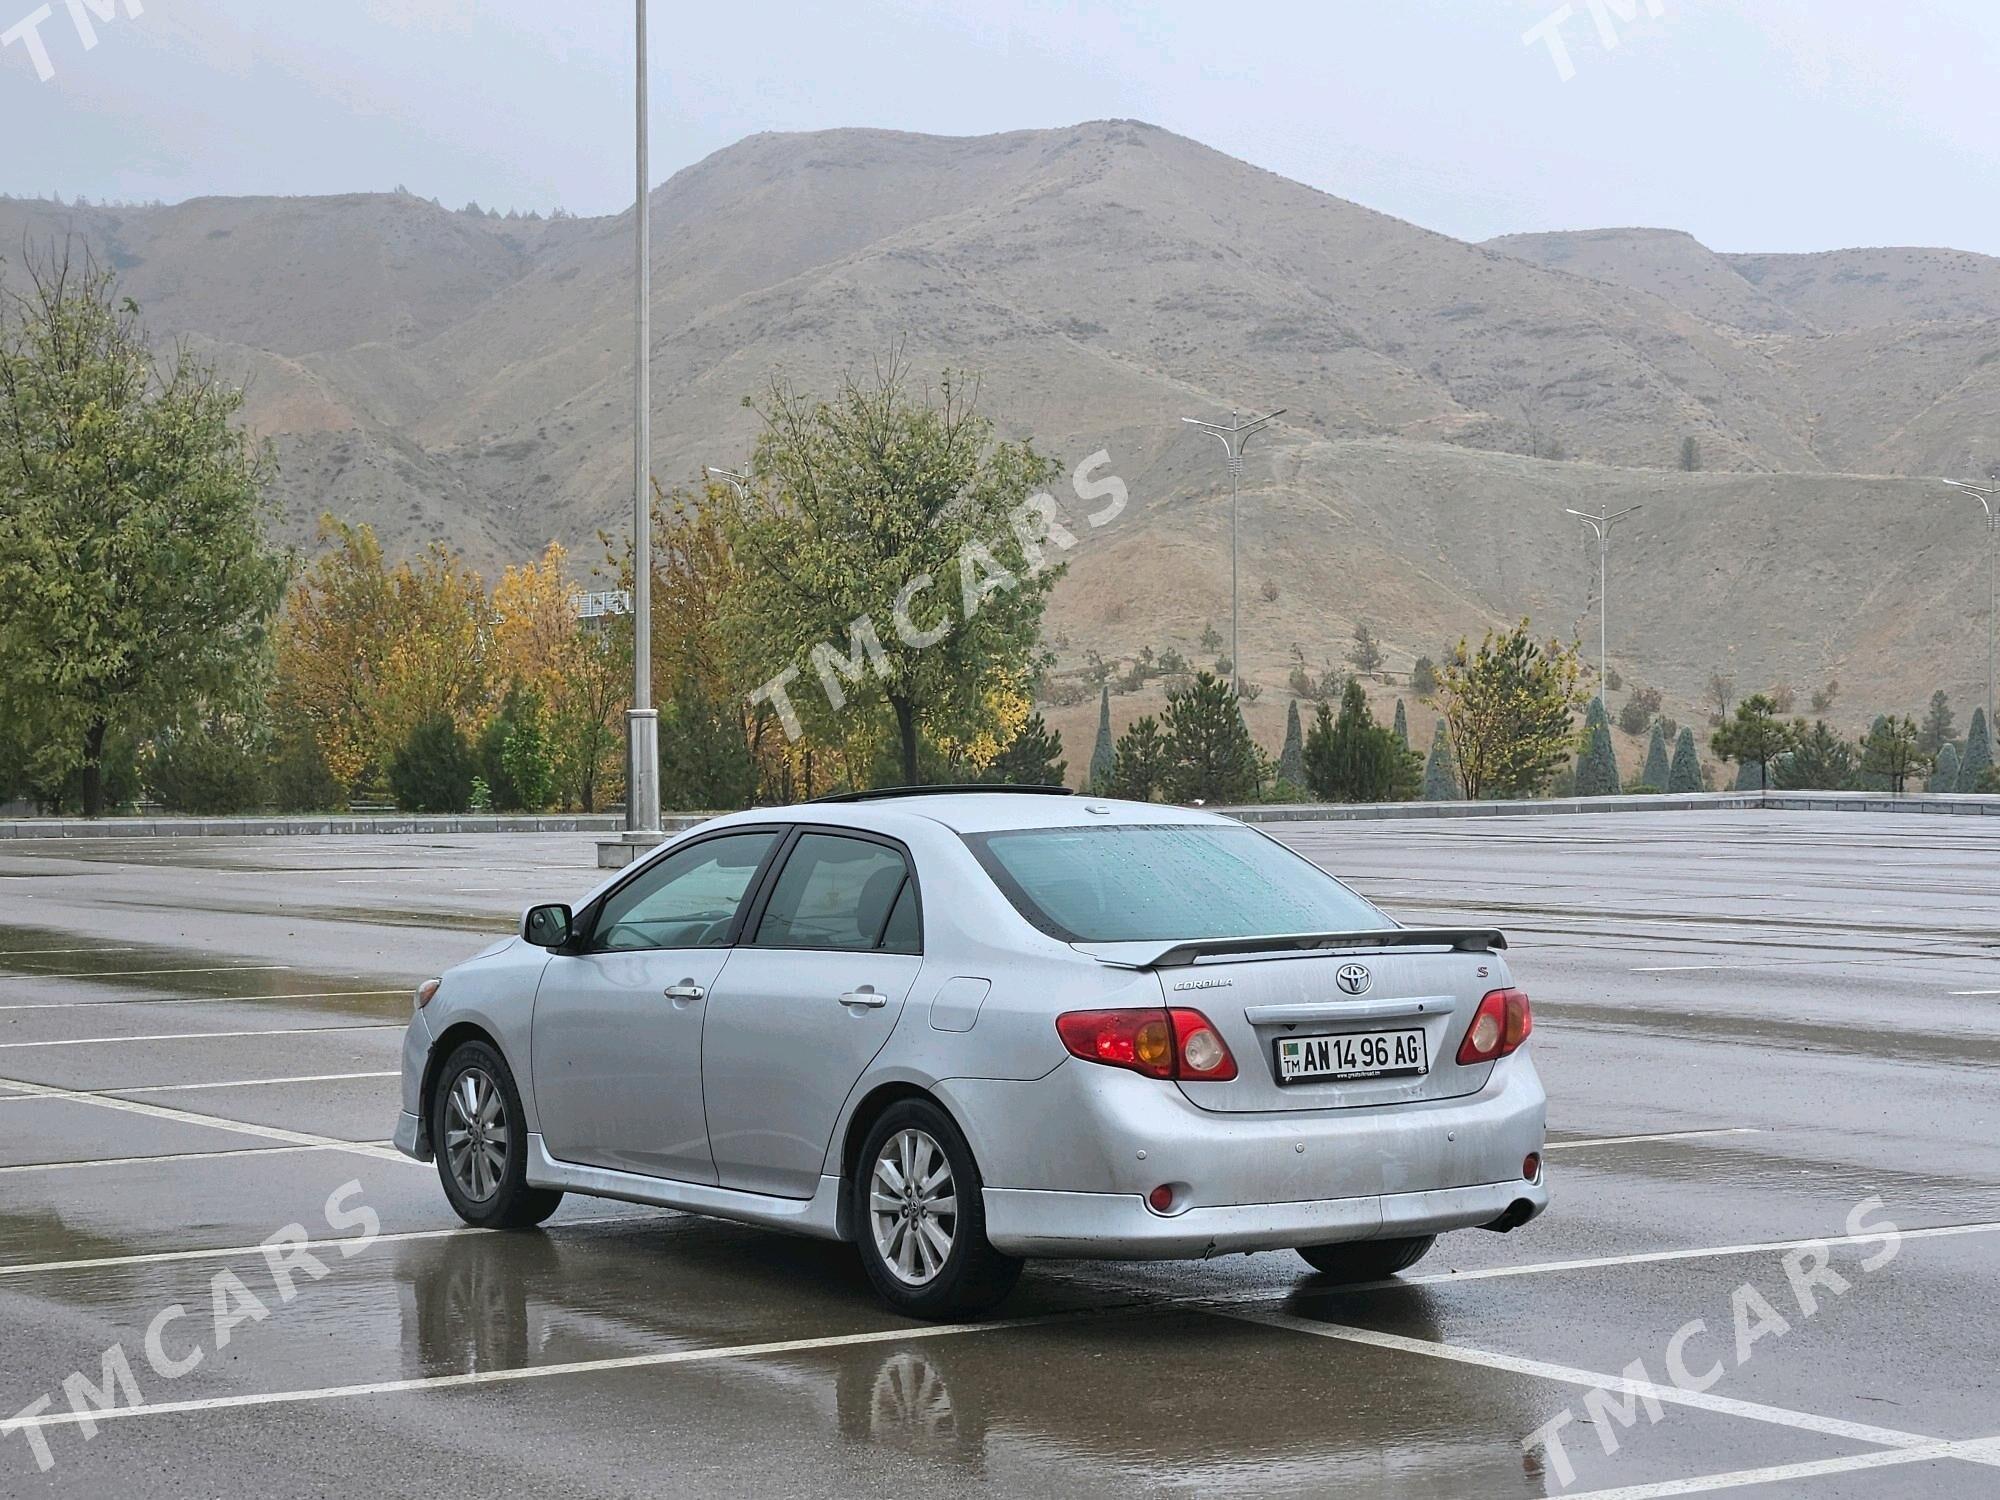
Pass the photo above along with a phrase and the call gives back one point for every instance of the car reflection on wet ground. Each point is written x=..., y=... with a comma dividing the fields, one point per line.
x=1749, y=1025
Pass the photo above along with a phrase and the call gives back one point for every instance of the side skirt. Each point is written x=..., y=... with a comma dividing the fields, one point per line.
x=817, y=1216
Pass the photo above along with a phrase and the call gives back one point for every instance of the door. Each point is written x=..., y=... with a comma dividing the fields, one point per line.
x=809, y=997
x=616, y=1051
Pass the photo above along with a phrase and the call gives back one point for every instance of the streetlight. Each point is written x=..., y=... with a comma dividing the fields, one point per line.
x=1601, y=523
x=642, y=724
x=737, y=482
x=1234, y=438
x=1986, y=497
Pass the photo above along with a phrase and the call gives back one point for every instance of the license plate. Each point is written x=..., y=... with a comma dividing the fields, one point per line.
x=1352, y=1054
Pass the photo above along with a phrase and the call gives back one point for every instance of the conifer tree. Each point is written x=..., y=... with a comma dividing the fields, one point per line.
x=1440, y=775
x=1685, y=773
x=1103, y=755
x=1977, y=757
x=1597, y=768
x=1659, y=769
x=1292, y=760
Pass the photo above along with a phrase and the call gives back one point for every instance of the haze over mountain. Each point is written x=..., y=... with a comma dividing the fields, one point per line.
x=444, y=374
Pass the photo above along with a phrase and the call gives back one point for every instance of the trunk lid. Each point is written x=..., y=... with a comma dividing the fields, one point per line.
x=1257, y=1001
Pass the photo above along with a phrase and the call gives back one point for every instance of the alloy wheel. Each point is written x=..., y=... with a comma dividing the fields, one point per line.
x=477, y=1138
x=913, y=1206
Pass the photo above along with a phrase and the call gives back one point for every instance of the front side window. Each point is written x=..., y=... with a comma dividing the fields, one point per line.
x=842, y=894
x=685, y=900
x=1172, y=882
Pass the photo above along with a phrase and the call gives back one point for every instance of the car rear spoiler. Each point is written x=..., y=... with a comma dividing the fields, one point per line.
x=1180, y=955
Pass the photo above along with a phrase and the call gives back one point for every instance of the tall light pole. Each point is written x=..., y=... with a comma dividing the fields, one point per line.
x=1601, y=523
x=1986, y=497
x=642, y=724
x=1234, y=438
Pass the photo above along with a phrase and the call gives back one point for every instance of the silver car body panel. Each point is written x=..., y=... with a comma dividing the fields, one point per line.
x=1068, y=1149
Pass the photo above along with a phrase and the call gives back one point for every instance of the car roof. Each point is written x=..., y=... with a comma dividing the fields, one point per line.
x=974, y=811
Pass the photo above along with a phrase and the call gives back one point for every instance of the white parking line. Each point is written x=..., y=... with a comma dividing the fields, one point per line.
x=1657, y=1257
x=165, y=1156
x=215, y=1122
x=134, y=973
x=1962, y=994
x=199, y=999
x=47, y=952
x=196, y=1036
x=38, y=1091
x=1703, y=1484
x=1664, y=1135
x=543, y=1372
x=1755, y=1411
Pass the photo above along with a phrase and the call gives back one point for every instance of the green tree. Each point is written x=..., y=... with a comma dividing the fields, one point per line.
x=1424, y=678
x=515, y=760
x=1139, y=770
x=1892, y=751
x=434, y=770
x=1211, y=757
x=297, y=779
x=1977, y=757
x=1351, y=758
x=705, y=764
x=1103, y=754
x=1819, y=760
x=1033, y=757
x=1597, y=767
x=1401, y=726
x=1685, y=775
x=1755, y=737
x=135, y=586
x=900, y=554
x=1937, y=727
x=1366, y=652
x=1690, y=454
x=1659, y=768
x=1944, y=774
x=1292, y=760
x=214, y=768
x=1440, y=770
x=1511, y=707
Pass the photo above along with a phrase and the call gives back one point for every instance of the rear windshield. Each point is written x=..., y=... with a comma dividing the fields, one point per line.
x=1174, y=882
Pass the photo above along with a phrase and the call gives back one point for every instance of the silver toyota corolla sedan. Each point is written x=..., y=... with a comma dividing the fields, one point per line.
x=962, y=1028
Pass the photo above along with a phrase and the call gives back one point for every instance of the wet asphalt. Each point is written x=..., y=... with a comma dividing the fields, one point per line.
x=1749, y=1025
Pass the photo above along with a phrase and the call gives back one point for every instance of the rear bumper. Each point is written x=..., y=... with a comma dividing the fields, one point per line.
x=1116, y=1226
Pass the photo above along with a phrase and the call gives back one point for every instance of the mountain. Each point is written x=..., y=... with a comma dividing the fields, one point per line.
x=458, y=375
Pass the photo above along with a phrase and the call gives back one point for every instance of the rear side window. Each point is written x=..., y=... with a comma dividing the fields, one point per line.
x=1171, y=882
x=843, y=894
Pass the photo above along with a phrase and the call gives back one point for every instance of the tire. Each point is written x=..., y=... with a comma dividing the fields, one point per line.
x=925, y=1263
x=487, y=1179
x=1366, y=1260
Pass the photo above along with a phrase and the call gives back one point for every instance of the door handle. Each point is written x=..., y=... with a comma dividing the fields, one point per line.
x=685, y=993
x=865, y=998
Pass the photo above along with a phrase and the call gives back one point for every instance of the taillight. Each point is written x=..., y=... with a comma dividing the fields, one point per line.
x=1177, y=1043
x=1500, y=1025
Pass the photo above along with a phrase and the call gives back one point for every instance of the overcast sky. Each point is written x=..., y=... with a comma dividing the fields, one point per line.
x=1756, y=125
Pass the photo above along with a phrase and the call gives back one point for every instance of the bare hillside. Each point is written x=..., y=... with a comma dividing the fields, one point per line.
x=457, y=375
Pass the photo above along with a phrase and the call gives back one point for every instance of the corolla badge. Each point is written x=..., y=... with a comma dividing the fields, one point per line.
x=1354, y=979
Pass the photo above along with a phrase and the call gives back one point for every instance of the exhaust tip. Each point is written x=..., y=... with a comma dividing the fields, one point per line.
x=1518, y=1213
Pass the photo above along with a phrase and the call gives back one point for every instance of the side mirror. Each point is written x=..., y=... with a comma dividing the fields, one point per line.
x=546, y=926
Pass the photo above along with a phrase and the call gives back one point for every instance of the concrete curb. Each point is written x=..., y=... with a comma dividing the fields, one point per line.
x=1937, y=804
x=1949, y=804
x=326, y=824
